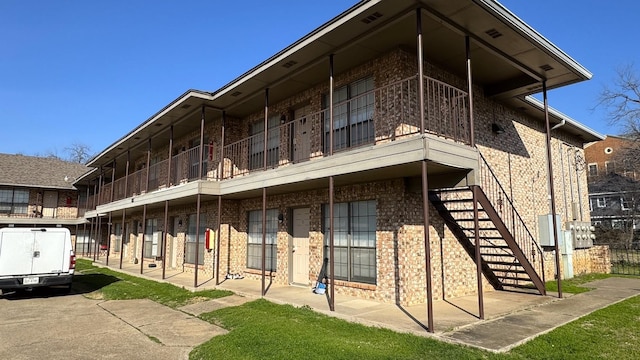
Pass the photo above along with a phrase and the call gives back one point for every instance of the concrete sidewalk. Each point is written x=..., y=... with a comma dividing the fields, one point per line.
x=506, y=332
x=511, y=318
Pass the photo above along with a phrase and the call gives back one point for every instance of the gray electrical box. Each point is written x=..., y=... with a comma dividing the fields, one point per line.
x=545, y=229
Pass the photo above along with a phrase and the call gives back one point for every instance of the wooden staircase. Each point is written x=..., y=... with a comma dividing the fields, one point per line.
x=510, y=257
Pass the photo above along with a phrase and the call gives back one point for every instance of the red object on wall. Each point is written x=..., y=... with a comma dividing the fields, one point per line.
x=69, y=200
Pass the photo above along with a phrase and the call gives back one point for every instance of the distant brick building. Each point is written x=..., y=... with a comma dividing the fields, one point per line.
x=614, y=188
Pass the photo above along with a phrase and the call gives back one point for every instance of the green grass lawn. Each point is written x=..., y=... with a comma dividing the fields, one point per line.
x=264, y=330
x=102, y=283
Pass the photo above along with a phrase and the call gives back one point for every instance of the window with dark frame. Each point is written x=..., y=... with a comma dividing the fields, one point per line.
x=354, y=240
x=353, y=109
x=190, y=246
x=14, y=201
x=256, y=144
x=254, y=240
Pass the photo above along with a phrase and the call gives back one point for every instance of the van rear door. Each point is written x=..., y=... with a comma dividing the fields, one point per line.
x=49, y=251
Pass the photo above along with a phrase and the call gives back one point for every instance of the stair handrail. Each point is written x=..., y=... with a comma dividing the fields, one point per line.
x=512, y=219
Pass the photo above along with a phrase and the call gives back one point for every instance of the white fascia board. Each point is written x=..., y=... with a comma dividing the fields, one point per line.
x=568, y=120
x=527, y=31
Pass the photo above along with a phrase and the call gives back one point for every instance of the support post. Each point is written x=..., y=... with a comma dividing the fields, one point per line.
x=472, y=137
x=146, y=187
x=476, y=231
x=331, y=104
x=264, y=238
x=126, y=175
x=113, y=178
x=169, y=158
x=201, y=143
x=266, y=126
x=427, y=246
x=332, y=277
x=164, y=238
x=420, y=69
x=86, y=241
x=144, y=230
x=122, y=234
x=109, y=233
x=425, y=184
x=197, y=259
x=218, y=240
x=221, y=167
x=551, y=187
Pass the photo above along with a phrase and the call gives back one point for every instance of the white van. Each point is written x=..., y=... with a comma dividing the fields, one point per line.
x=34, y=257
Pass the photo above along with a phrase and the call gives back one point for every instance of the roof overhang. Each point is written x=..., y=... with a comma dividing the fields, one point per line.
x=509, y=60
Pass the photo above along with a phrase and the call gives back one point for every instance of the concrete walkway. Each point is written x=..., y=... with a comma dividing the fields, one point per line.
x=511, y=318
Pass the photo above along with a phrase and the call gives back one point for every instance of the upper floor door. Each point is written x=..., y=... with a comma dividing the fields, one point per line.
x=49, y=204
x=302, y=137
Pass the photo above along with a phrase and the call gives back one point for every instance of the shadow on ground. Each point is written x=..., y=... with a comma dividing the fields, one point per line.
x=82, y=284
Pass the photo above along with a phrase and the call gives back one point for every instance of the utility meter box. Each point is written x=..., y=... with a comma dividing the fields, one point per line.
x=582, y=234
x=545, y=229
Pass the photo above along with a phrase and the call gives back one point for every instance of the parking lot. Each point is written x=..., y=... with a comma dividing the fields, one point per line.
x=48, y=324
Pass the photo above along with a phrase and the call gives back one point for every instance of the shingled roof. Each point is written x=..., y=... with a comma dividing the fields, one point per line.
x=39, y=172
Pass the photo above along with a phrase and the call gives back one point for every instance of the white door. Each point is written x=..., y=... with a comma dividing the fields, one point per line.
x=49, y=204
x=300, y=249
x=302, y=133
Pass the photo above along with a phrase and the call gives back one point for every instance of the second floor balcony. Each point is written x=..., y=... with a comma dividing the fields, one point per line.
x=381, y=115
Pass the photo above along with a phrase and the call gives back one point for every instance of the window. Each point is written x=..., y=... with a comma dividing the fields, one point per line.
x=254, y=240
x=117, y=235
x=354, y=240
x=14, y=201
x=626, y=202
x=153, y=172
x=352, y=115
x=152, y=243
x=601, y=202
x=256, y=145
x=593, y=169
x=609, y=167
x=190, y=251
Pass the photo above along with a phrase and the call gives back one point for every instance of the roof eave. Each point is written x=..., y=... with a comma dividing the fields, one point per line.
x=589, y=134
x=527, y=31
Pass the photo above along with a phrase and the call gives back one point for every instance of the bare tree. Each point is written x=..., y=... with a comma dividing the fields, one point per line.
x=621, y=99
x=78, y=152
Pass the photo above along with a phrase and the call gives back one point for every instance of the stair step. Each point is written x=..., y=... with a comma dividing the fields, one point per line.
x=446, y=201
x=492, y=246
x=493, y=238
x=471, y=219
x=506, y=263
x=506, y=277
x=508, y=273
x=450, y=190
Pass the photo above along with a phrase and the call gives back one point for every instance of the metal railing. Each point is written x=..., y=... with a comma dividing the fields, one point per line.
x=510, y=216
x=381, y=115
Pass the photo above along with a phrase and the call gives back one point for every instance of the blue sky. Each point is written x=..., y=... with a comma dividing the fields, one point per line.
x=90, y=71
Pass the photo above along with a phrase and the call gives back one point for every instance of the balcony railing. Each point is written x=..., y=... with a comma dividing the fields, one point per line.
x=381, y=115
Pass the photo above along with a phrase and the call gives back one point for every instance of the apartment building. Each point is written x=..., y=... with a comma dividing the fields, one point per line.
x=39, y=192
x=333, y=156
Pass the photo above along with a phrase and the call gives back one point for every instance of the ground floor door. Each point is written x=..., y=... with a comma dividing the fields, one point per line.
x=300, y=247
